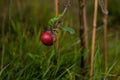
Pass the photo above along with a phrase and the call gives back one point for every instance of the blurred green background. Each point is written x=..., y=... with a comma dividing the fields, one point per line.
x=24, y=57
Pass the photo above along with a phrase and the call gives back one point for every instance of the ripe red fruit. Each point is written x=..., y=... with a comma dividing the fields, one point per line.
x=48, y=37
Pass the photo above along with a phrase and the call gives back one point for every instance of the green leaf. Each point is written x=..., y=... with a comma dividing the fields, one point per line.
x=53, y=20
x=32, y=56
x=3, y=69
x=55, y=32
x=68, y=29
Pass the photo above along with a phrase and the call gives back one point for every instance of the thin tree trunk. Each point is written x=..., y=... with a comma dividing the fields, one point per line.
x=83, y=33
x=85, y=25
x=105, y=34
x=87, y=58
x=93, y=38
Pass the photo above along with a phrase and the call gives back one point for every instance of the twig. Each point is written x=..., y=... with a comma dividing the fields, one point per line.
x=57, y=23
x=103, y=7
x=105, y=34
x=93, y=38
x=66, y=5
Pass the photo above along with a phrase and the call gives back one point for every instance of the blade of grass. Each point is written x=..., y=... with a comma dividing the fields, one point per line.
x=3, y=69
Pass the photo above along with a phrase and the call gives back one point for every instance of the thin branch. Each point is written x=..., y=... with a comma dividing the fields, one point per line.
x=105, y=34
x=103, y=4
x=57, y=23
x=103, y=7
x=93, y=38
x=66, y=5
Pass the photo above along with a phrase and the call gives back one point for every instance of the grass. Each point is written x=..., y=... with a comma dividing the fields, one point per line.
x=24, y=57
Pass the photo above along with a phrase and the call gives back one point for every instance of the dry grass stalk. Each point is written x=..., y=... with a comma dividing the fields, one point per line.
x=93, y=38
x=56, y=13
x=85, y=26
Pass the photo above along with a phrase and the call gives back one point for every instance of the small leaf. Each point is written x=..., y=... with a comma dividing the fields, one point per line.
x=55, y=32
x=31, y=56
x=60, y=15
x=54, y=19
x=69, y=29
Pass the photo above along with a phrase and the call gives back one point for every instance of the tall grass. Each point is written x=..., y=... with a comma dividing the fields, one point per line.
x=24, y=57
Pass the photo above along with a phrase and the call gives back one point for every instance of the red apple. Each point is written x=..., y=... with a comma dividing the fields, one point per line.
x=48, y=38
